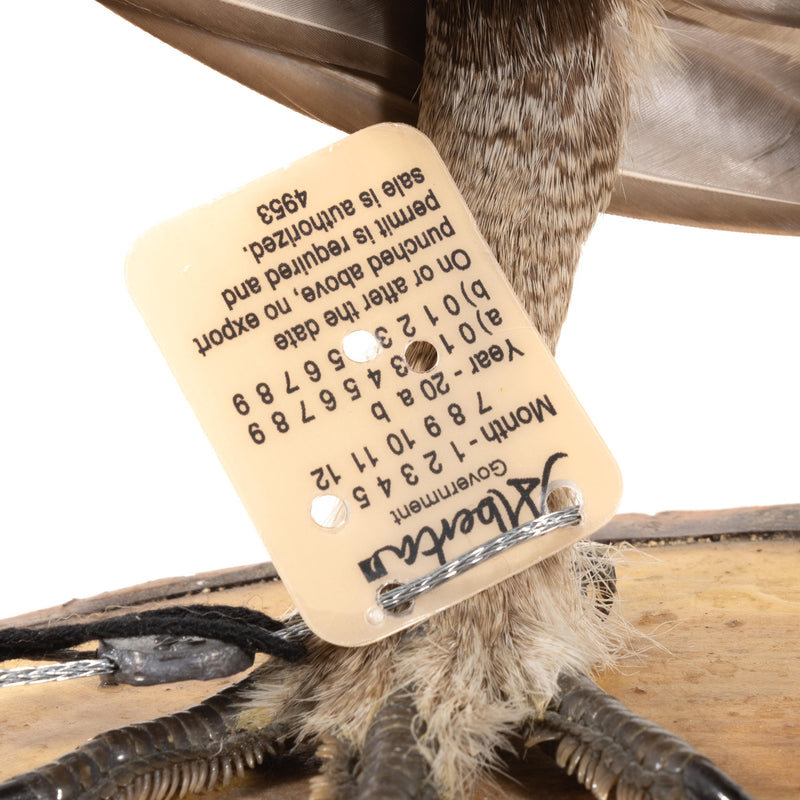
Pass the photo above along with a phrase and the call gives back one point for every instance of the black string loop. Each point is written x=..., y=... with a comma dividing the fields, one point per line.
x=252, y=631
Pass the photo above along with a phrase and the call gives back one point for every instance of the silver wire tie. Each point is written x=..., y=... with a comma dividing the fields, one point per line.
x=405, y=593
x=82, y=668
x=296, y=629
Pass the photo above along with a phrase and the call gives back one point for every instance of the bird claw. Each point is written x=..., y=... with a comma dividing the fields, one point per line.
x=702, y=780
x=605, y=746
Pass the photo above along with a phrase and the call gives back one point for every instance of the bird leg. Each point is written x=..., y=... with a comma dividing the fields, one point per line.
x=607, y=747
x=475, y=672
x=391, y=766
x=194, y=751
x=528, y=105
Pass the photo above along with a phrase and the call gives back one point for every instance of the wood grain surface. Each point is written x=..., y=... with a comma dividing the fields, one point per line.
x=723, y=672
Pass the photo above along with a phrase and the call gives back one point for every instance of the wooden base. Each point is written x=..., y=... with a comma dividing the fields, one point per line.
x=723, y=671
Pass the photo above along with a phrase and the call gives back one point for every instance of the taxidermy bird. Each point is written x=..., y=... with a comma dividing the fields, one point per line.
x=530, y=106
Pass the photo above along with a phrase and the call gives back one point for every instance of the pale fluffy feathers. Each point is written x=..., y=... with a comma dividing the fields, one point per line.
x=479, y=670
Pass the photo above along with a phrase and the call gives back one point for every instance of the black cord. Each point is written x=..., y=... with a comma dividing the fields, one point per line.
x=250, y=630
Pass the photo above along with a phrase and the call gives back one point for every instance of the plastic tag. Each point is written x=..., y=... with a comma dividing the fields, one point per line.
x=368, y=379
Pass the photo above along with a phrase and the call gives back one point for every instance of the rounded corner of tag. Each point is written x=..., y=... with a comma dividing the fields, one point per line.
x=610, y=498
x=360, y=629
x=616, y=482
x=142, y=254
x=338, y=635
x=133, y=261
x=402, y=129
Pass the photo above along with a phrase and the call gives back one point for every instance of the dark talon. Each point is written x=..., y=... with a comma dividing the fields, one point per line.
x=607, y=747
x=703, y=781
x=18, y=789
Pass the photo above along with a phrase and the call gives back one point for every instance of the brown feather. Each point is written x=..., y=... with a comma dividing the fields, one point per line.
x=774, y=12
x=321, y=73
x=732, y=95
x=716, y=139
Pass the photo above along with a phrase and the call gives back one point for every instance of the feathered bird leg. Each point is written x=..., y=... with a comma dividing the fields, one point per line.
x=528, y=104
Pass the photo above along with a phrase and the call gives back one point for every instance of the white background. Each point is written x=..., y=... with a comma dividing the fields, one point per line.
x=681, y=343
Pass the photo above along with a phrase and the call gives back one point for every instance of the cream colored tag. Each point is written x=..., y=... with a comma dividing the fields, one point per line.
x=286, y=311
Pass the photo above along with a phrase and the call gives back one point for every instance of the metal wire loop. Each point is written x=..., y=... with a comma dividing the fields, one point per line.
x=401, y=595
x=404, y=594
x=82, y=668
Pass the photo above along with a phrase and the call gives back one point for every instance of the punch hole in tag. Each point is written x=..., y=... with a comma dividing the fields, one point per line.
x=329, y=511
x=401, y=610
x=377, y=614
x=361, y=346
x=374, y=389
x=421, y=356
x=562, y=494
